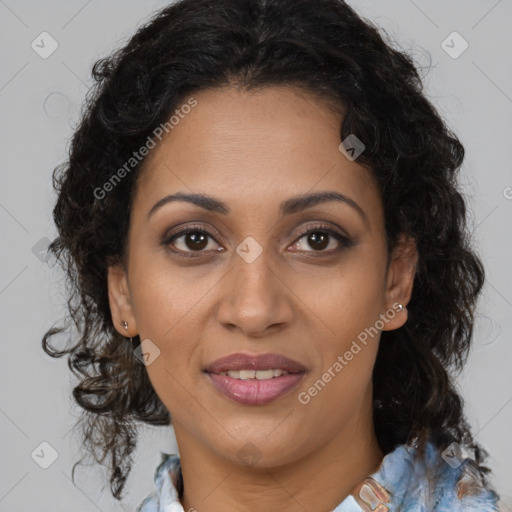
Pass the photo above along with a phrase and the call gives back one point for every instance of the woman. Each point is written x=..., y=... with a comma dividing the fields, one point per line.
x=265, y=243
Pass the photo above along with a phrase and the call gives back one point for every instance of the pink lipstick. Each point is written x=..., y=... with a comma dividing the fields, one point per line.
x=255, y=379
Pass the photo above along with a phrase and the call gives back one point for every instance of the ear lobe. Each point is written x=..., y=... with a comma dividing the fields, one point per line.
x=400, y=279
x=119, y=297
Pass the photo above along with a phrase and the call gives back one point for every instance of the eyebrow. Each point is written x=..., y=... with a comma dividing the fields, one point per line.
x=293, y=205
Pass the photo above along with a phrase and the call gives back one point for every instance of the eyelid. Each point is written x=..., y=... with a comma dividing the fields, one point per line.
x=322, y=226
x=180, y=230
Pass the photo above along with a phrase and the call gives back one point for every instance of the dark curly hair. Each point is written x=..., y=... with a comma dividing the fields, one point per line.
x=324, y=48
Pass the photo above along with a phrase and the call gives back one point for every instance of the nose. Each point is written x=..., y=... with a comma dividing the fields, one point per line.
x=256, y=299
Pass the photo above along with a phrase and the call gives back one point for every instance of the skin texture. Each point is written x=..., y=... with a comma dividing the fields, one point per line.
x=254, y=150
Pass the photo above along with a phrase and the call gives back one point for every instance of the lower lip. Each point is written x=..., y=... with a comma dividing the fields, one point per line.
x=253, y=391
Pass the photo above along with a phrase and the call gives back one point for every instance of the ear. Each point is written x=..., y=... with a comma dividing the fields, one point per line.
x=400, y=279
x=119, y=297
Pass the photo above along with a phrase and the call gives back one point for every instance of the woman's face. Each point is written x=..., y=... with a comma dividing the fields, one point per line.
x=255, y=283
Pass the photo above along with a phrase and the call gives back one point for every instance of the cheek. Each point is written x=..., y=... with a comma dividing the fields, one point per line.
x=346, y=299
x=164, y=295
x=337, y=387
x=173, y=373
x=345, y=309
x=172, y=304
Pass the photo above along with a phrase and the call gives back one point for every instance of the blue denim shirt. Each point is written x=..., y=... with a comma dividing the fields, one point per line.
x=402, y=483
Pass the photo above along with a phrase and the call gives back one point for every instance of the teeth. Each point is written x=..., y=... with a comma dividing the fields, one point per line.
x=254, y=374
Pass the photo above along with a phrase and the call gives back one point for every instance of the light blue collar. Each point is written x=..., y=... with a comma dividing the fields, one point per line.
x=403, y=482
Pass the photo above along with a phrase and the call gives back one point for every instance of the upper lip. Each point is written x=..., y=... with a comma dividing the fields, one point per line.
x=240, y=361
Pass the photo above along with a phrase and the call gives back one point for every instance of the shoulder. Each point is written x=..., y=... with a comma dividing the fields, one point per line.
x=165, y=479
x=456, y=482
x=435, y=479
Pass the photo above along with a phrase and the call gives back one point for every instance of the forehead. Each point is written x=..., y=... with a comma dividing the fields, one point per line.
x=249, y=147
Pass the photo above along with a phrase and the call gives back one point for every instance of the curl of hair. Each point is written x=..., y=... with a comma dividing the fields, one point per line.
x=324, y=48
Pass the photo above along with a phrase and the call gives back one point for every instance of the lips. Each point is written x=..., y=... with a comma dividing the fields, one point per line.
x=261, y=390
x=240, y=361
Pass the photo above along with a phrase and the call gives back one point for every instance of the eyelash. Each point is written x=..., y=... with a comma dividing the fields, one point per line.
x=344, y=241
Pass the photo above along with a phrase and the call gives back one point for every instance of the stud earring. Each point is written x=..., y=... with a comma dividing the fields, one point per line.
x=400, y=307
x=124, y=323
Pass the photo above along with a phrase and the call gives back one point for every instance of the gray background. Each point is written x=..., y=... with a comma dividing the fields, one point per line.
x=40, y=100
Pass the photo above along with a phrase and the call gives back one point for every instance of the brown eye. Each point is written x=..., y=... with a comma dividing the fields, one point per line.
x=189, y=240
x=319, y=238
x=195, y=240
